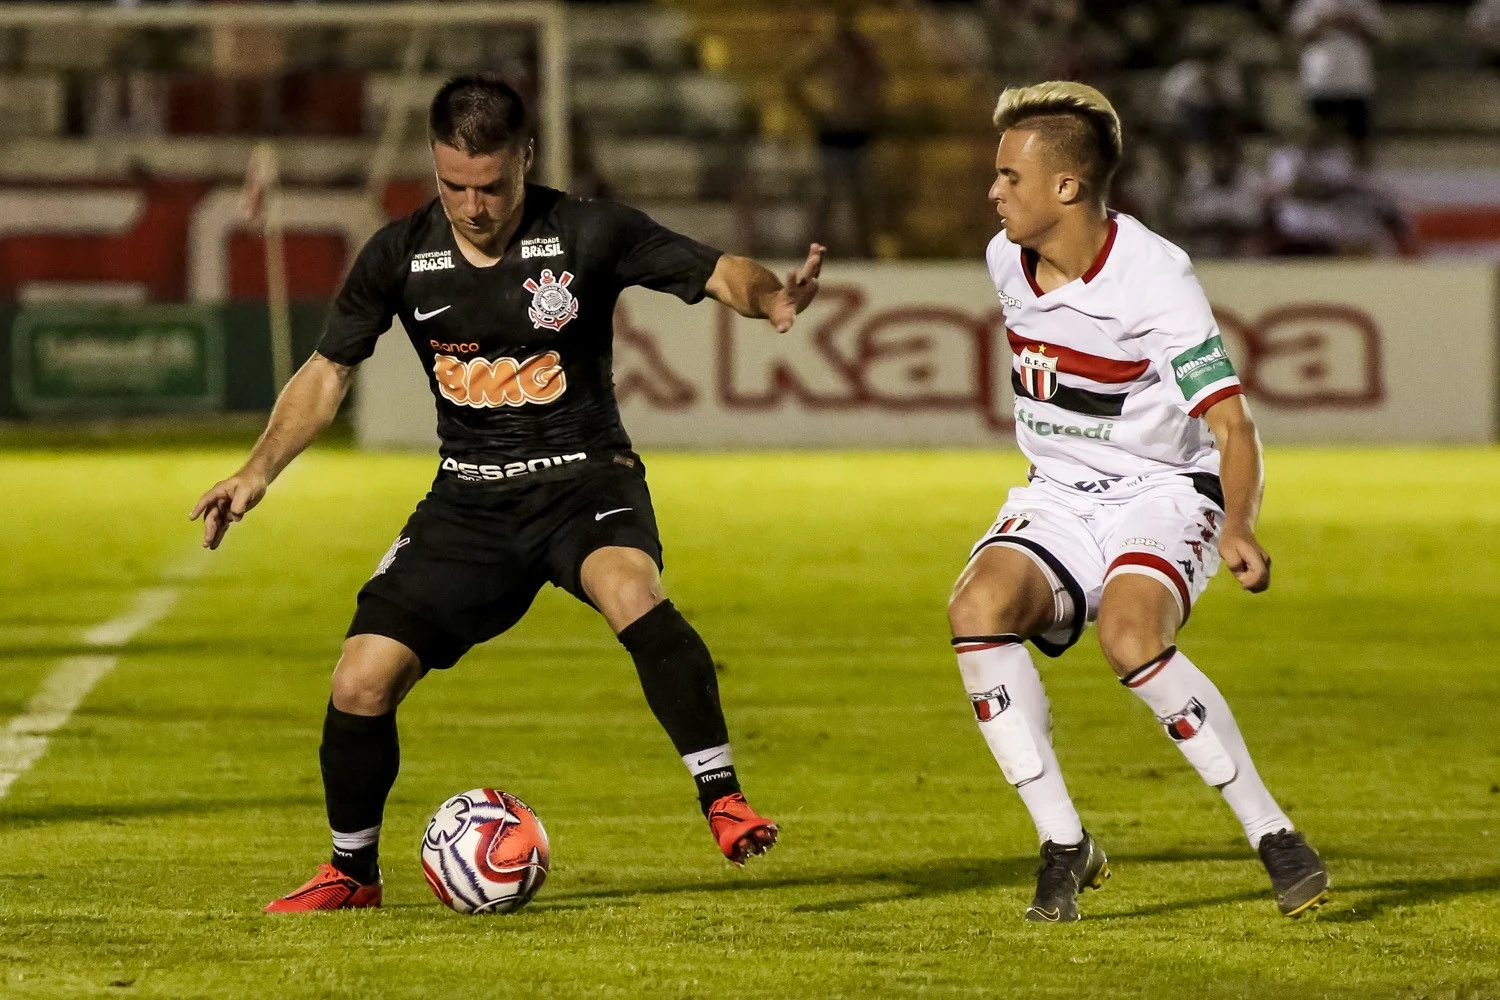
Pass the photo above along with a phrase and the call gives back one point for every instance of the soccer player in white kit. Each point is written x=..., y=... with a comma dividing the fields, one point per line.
x=1146, y=473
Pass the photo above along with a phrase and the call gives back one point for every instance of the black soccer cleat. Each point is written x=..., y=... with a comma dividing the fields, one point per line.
x=1065, y=872
x=1298, y=875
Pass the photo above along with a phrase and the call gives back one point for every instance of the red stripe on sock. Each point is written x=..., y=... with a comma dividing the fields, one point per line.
x=1150, y=672
x=978, y=646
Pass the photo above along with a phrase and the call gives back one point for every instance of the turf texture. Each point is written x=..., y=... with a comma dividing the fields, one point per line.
x=135, y=855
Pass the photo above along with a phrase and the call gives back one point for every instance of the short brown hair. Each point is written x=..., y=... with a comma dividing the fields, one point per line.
x=478, y=113
x=1076, y=120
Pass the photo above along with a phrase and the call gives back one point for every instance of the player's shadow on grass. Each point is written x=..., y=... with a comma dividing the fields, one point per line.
x=1369, y=900
x=74, y=812
x=934, y=878
x=1352, y=903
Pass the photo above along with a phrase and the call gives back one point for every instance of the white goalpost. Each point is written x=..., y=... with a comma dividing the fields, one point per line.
x=405, y=95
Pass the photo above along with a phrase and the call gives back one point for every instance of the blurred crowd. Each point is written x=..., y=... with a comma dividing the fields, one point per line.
x=1204, y=165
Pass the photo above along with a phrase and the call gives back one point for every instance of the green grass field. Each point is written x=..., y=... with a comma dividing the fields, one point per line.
x=135, y=855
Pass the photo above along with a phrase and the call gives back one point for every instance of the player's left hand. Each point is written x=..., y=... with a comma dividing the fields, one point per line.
x=800, y=289
x=1250, y=564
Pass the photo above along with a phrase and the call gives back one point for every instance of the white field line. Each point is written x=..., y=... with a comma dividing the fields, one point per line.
x=24, y=739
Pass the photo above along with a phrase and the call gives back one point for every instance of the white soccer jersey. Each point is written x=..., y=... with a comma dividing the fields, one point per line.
x=1113, y=370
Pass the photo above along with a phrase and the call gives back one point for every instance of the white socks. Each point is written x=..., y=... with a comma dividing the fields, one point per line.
x=348, y=843
x=1016, y=721
x=1197, y=718
x=706, y=761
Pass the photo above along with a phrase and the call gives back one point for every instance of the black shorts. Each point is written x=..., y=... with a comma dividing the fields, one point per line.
x=461, y=573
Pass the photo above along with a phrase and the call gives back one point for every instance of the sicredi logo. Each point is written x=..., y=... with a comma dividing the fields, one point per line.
x=1043, y=428
x=436, y=260
x=545, y=246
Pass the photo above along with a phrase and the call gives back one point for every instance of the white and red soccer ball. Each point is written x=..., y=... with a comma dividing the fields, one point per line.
x=485, y=852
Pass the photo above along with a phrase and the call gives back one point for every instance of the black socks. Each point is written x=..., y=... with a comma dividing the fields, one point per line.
x=677, y=677
x=360, y=756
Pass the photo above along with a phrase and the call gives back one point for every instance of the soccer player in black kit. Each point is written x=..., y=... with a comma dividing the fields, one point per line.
x=507, y=290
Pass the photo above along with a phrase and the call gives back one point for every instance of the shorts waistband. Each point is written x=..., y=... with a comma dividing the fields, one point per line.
x=460, y=478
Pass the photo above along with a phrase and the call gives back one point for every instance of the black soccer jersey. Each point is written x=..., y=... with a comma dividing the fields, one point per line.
x=519, y=355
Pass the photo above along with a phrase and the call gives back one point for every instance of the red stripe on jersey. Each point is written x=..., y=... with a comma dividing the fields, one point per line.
x=1159, y=564
x=1218, y=397
x=1089, y=366
x=1028, y=268
x=1098, y=264
x=1029, y=259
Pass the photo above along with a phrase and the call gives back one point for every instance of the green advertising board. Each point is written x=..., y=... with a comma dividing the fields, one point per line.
x=102, y=360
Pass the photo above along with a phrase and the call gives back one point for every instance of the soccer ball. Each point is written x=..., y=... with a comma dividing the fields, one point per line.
x=485, y=852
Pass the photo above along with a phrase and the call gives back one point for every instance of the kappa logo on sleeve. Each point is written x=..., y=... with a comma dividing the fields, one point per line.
x=1202, y=366
x=485, y=384
x=552, y=305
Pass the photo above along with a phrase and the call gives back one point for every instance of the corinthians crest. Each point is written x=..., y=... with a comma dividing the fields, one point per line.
x=552, y=305
x=1038, y=373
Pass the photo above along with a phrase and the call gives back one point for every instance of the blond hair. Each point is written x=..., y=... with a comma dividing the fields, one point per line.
x=1076, y=121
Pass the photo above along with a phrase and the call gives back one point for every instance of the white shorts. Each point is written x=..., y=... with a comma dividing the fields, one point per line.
x=1079, y=542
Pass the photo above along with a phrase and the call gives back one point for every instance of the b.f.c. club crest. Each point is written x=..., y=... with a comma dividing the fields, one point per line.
x=1038, y=372
x=552, y=305
x=1015, y=522
x=989, y=704
x=1184, y=725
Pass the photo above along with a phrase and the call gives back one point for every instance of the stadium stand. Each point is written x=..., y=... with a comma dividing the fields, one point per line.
x=685, y=107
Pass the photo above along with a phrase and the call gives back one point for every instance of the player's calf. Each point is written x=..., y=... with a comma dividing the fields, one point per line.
x=360, y=754
x=1002, y=589
x=681, y=687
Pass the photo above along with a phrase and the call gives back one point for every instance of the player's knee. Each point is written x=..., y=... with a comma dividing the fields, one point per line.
x=626, y=597
x=1128, y=640
x=359, y=693
x=985, y=606
x=366, y=684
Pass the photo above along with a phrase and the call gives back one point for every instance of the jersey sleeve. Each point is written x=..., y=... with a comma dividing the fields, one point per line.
x=367, y=302
x=1183, y=343
x=652, y=256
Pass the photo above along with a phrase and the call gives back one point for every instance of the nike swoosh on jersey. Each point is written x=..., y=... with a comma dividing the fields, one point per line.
x=712, y=756
x=420, y=315
x=617, y=510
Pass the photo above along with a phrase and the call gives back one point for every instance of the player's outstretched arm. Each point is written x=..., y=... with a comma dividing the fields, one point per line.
x=307, y=405
x=754, y=292
x=1242, y=473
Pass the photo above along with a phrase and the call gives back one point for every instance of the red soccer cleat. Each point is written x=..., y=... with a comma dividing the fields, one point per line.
x=329, y=889
x=740, y=831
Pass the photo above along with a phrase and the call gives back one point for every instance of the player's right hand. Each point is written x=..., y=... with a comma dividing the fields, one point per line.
x=1250, y=564
x=226, y=502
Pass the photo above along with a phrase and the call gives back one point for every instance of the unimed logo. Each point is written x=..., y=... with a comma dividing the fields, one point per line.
x=482, y=383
